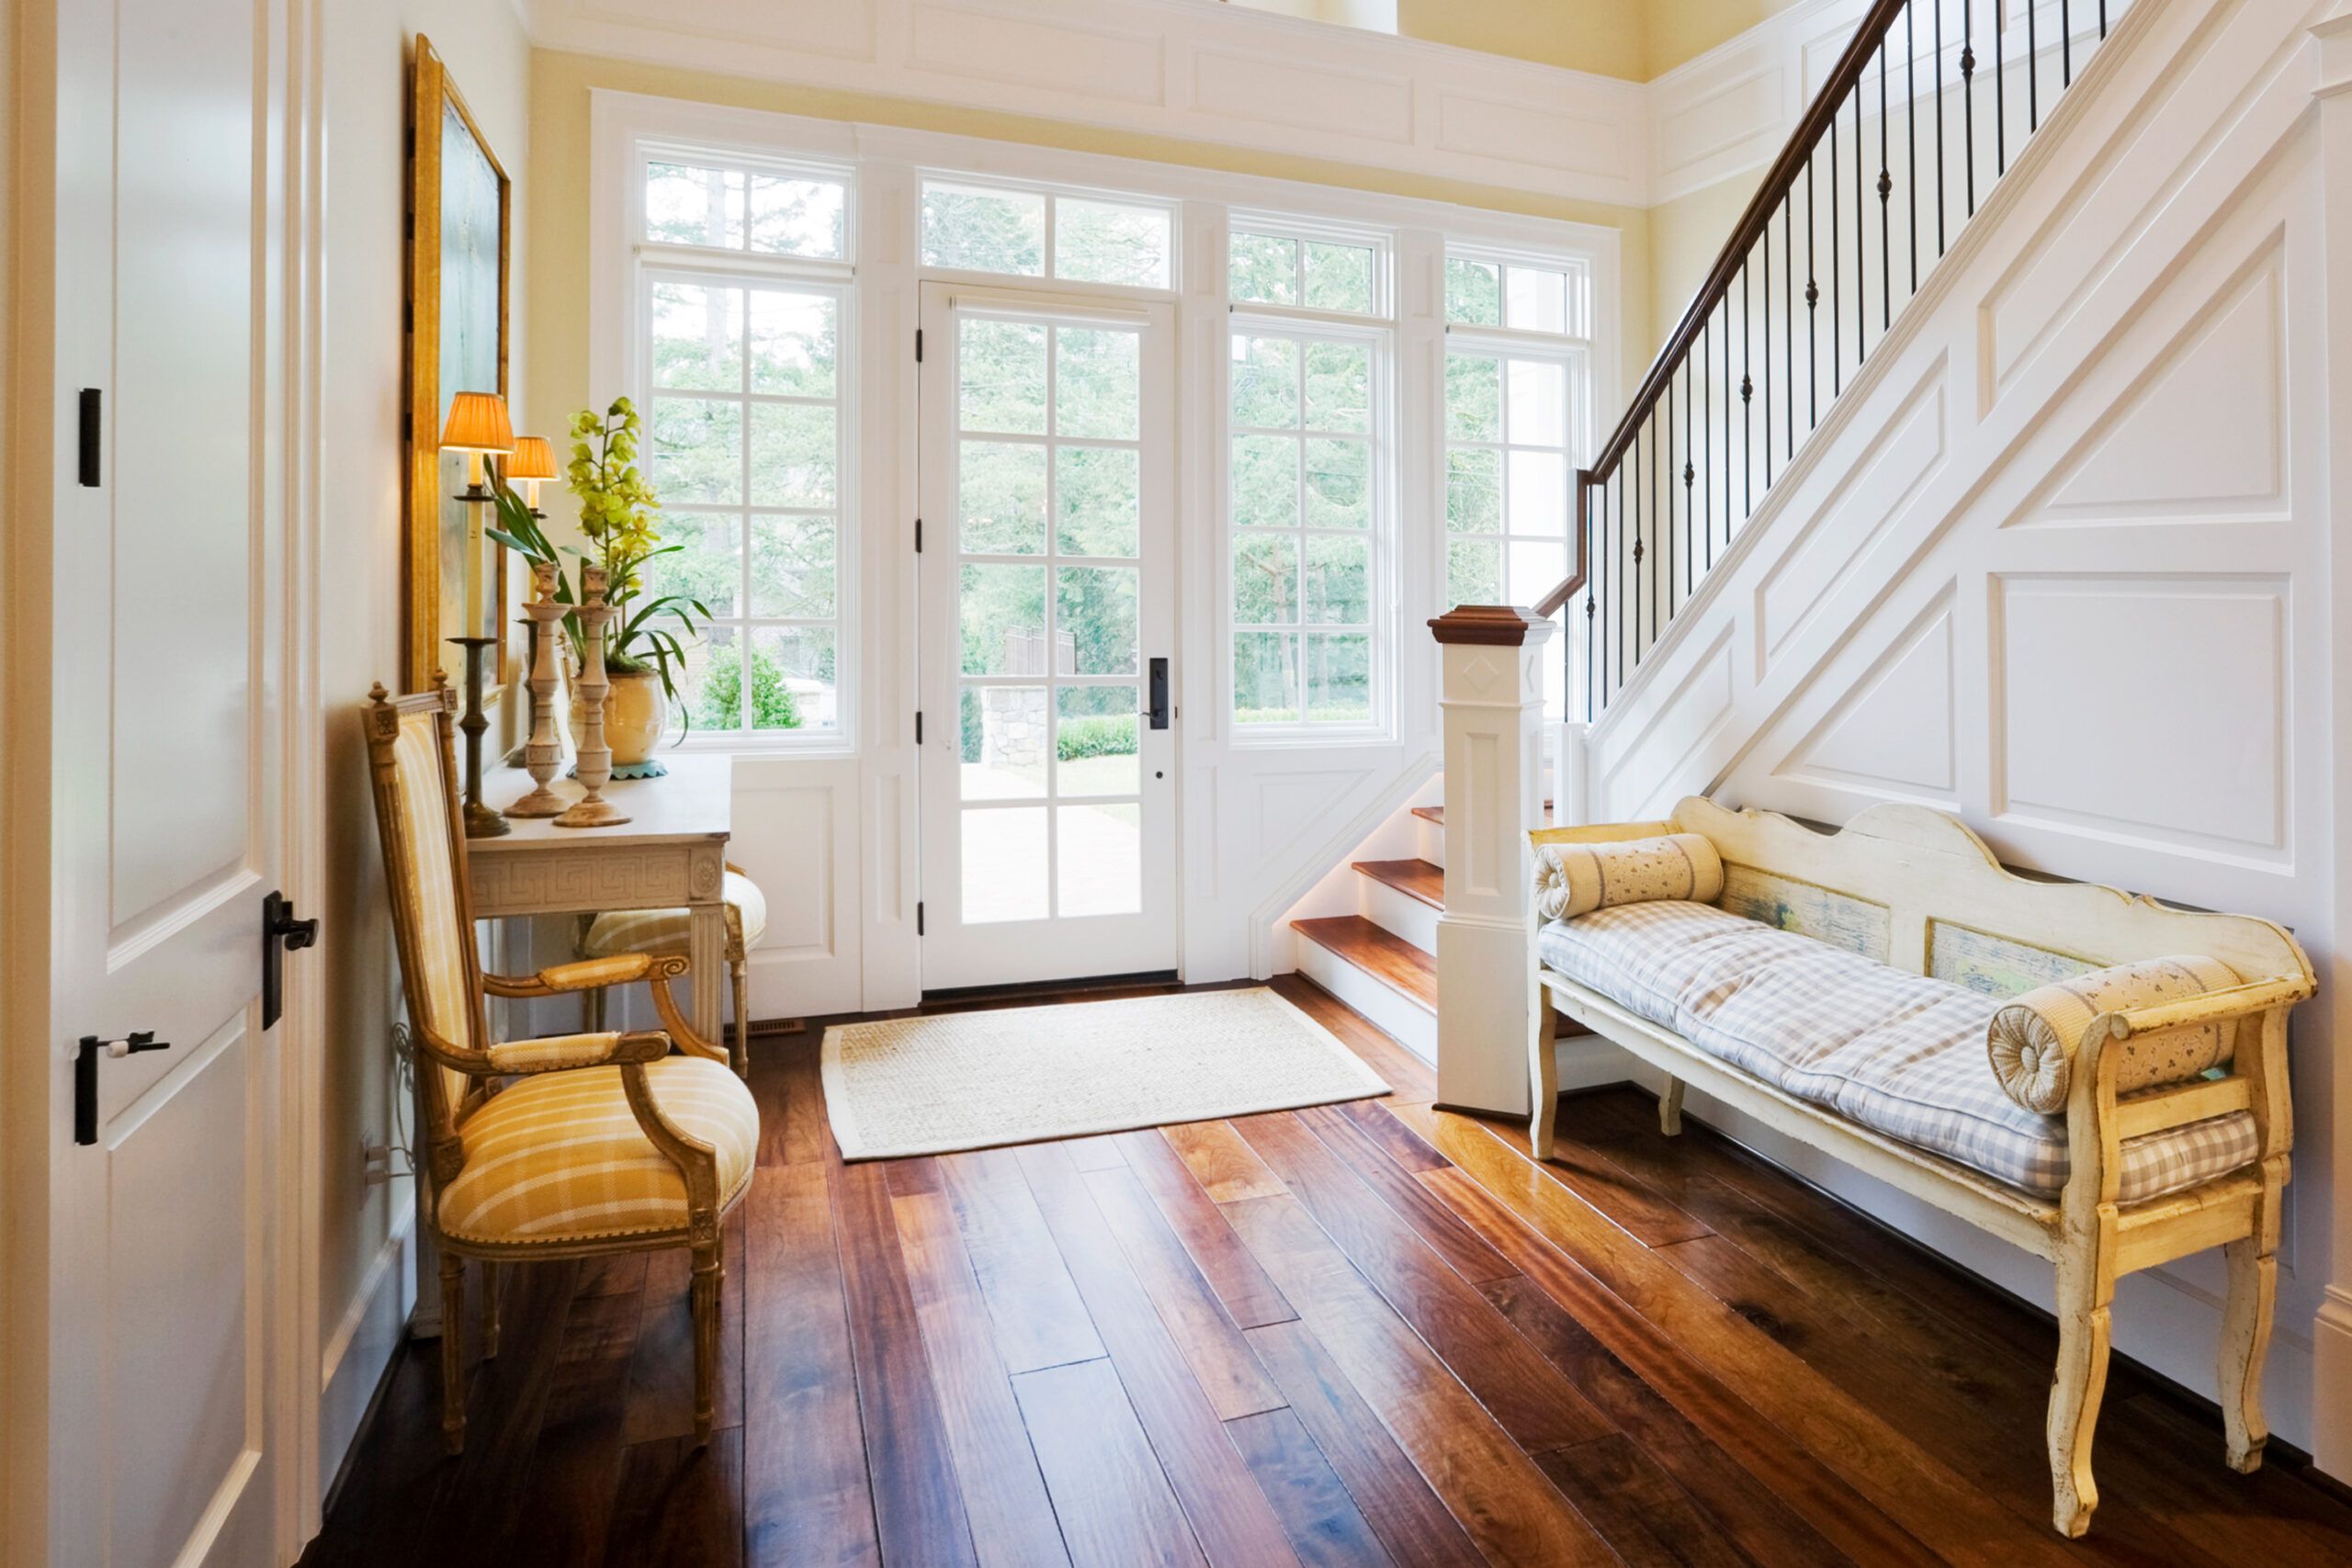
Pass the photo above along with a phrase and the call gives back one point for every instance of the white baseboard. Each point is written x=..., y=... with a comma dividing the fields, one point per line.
x=352, y=1362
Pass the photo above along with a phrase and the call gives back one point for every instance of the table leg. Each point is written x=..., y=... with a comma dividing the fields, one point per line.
x=707, y=949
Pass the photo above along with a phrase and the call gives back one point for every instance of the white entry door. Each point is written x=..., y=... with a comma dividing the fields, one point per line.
x=1047, y=637
x=165, y=834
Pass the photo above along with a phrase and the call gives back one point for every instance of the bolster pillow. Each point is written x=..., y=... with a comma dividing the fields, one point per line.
x=2032, y=1041
x=1575, y=879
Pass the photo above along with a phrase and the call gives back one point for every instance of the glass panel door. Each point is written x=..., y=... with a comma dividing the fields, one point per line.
x=1048, y=795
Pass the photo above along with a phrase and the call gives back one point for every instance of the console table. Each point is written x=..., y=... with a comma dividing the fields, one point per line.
x=671, y=853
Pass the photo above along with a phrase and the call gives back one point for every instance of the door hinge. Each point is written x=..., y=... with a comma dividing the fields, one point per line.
x=918, y=917
x=918, y=346
x=918, y=726
x=918, y=536
x=92, y=454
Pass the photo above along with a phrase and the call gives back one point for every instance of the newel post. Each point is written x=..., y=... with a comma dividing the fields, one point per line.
x=1492, y=693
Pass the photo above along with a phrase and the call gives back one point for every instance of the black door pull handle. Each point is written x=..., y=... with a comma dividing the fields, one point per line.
x=282, y=931
x=86, y=1075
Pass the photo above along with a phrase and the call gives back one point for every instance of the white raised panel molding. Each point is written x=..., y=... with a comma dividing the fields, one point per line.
x=1215, y=74
x=1493, y=703
x=2092, y=602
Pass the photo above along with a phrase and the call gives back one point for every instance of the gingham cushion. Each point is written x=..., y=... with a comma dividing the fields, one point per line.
x=658, y=931
x=562, y=1158
x=1901, y=1053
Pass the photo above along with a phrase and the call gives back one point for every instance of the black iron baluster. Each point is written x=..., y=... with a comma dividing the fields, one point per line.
x=2033, y=73
x=1767, y=336
x=1862, y=246
x=1812, y=316
x=1690, y=517
x=1704, y=520
x=2102, y=19
x=1626, y=482
x=1789, y=313
x=2065, y=44
x=1743, y=283
x=1938, y=5
x=1836, y=352
x=1746, y=394
x=1967, y=94
x=1911, y=135
x=2000, y=103
x=1885, y=230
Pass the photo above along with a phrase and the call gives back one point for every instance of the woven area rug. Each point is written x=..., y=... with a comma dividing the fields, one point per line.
x=972, y=1080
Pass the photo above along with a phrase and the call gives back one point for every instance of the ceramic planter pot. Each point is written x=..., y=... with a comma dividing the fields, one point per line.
x=636, y=713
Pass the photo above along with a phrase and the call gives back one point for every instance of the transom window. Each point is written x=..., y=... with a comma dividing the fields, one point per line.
x=745, y=380
x=1521, y=296
x=1307, y=526
x=1035, y=234
x=1269, y=268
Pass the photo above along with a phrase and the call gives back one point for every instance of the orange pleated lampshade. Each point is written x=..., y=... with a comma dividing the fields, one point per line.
x=533, y=458
x=477, y=422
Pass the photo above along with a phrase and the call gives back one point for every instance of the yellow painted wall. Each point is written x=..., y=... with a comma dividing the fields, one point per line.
x=556, y=297
x=366, y=44
x=1686, y=235
x=1636, y=40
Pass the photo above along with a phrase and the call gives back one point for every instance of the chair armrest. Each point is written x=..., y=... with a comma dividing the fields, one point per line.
x=661, y=970
x=562, y=1053
x=587, y=974
x=2210, y=1006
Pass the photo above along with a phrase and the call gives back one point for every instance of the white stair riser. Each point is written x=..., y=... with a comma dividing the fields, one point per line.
x=1432, y=840
x=1412, y=1025
x=1399, y=914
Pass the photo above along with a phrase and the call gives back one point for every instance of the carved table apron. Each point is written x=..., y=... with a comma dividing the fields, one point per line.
x=671, y=854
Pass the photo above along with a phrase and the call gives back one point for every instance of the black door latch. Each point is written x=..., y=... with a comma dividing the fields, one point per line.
x=282, y=931
x=86, y=1075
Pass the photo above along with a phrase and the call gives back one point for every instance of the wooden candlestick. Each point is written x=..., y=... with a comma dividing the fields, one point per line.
x=594, y=767
x=543, y=754
x=481, y=821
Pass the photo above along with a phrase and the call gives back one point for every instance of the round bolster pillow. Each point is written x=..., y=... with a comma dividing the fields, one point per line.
x=2032, y=1041
x=1575, y=879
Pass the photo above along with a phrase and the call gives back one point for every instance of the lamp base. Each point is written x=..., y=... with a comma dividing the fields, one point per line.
x=593, y=814
x=540, y=802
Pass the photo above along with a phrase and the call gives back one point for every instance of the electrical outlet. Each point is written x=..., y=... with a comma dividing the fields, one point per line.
x=375, y=1163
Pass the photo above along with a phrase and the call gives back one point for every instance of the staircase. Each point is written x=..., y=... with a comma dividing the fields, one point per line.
x=1382, y=960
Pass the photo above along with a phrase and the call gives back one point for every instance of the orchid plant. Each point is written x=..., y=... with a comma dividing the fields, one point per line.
x=618, y=516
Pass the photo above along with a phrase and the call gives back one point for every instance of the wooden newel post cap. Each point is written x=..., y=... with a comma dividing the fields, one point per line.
x=1498, y=626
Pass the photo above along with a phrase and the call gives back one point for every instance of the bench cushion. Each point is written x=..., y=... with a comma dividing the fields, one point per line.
x=1902, y=1054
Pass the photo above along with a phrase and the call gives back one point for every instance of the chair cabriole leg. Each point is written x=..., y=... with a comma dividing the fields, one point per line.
x=2252, y=1270
x=488, y=1311
x=742, y=1018
x=1669, y=1108
x=2086, y=1327
x=1543, y=1079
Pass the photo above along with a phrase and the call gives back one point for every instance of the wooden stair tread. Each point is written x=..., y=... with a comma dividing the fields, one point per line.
x=1437, y=814
x=1384, y=956
x=1414, y=878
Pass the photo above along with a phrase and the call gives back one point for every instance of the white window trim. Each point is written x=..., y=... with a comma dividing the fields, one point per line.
x=887, y=247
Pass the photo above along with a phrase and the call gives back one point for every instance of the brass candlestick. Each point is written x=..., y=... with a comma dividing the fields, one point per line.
x=543, y=754
x=481, y=822
x=594, y=767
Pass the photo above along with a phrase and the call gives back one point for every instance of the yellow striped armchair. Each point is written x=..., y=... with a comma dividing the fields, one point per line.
x=570, y=1146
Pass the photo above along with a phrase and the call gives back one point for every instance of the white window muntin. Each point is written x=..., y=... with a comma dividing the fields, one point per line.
x=1381, y=243
x=1578, y=325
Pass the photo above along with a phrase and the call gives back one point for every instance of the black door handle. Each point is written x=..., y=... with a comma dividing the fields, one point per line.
x=282, y=931
x=1158, y=695
x=86, y=1075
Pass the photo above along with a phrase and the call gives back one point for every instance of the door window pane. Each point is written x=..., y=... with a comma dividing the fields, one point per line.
x=1098, y=500
x=1000, y=370
x=1095, y=610
x=1098, y=386
x=1000, y=498
x=1004, y=744
x=1100, y=868
x=1004, y=621
x=1004, y=864
x=1265, y=579
x=1094, y=740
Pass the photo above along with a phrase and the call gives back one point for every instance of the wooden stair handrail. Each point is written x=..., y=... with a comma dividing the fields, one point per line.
x=1779, y=182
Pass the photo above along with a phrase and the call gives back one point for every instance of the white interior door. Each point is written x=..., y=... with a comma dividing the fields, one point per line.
x=167, y=788
x=1049, y=624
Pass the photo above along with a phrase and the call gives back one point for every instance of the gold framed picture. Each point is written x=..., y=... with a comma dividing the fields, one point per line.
x=460, y=210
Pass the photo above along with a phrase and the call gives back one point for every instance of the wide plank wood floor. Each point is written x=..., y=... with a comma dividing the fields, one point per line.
x=1374, y=1333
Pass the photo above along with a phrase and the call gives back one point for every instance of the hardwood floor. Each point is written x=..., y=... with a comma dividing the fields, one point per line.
x=1374, y=1333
